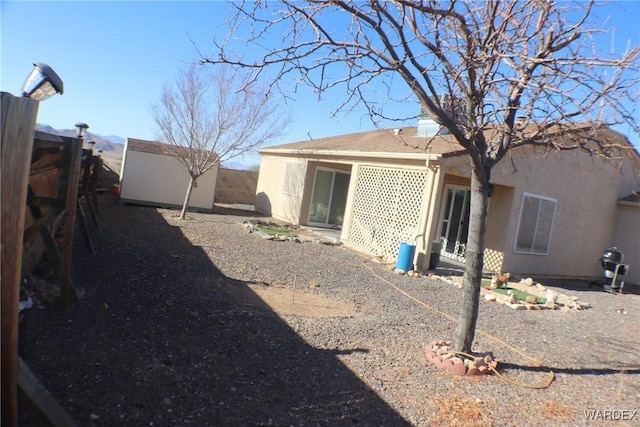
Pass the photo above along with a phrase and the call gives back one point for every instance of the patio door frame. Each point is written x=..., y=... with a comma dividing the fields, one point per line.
x=331, y=195
x=457, y=250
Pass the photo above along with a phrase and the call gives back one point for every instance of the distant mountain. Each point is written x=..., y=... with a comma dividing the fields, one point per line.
x=104, y=143
x=115, y=143
x=46, y=128
x=115, y=138
x=235, y=165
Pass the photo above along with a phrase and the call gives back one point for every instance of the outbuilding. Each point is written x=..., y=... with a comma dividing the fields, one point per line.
x=153, y=175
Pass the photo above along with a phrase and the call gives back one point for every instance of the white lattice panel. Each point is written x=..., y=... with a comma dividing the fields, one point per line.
x=386, y=209
x=493, y=260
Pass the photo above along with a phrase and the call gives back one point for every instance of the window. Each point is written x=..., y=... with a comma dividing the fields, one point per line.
x=535, y=224
x=292, y=185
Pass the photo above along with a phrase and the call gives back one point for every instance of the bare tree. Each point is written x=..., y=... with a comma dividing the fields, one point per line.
x=207, y=118
x=497, y=75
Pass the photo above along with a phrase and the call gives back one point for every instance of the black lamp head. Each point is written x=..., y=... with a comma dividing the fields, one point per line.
x=42, y=83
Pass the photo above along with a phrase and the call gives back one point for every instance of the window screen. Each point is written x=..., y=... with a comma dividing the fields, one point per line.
x=535, y=224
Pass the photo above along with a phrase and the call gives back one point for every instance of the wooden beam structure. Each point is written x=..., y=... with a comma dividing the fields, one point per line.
x=73, y=177
x=42, y=172
x=39, y=398
x=16, y=141
x=52, y=195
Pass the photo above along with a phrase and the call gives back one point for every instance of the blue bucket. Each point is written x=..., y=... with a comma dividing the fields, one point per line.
x=405, y=257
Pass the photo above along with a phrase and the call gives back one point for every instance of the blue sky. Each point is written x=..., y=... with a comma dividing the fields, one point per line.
x=114, y=58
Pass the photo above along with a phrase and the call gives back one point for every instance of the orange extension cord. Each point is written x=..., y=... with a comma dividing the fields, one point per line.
x=496, y=339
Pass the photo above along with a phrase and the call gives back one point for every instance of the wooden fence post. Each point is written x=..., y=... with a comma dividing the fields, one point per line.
x=75, y=154
x=16, y=143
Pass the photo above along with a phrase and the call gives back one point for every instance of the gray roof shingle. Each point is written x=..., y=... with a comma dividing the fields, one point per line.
x=377, y=141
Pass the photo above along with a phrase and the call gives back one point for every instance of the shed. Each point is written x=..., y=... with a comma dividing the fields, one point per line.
x=153, y=175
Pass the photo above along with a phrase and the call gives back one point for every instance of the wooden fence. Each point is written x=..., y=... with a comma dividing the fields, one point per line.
x=39, y=186
x=236, y=186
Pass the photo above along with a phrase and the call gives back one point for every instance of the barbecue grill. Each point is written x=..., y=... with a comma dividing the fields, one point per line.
x=614, y=271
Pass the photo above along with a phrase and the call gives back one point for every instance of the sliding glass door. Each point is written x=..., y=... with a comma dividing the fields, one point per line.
x=455, y=223
x=329, y=198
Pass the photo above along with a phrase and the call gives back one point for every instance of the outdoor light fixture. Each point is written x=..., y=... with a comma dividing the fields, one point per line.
x=81, y=129
x=42, y=83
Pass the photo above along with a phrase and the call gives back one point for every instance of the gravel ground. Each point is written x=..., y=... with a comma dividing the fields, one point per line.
x=173, y=330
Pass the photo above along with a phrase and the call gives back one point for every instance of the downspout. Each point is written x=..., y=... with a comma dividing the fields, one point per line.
x=348, y=208
x=435, y=190
x=427, y=213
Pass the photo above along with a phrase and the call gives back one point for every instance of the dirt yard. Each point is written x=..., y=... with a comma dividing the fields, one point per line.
x=201, y=323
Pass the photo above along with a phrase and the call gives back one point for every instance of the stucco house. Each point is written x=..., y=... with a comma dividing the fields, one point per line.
x=550, y=214
x=152, y=175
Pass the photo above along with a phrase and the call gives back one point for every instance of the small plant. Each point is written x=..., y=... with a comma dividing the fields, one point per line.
x=517, y=292
x=274, y=231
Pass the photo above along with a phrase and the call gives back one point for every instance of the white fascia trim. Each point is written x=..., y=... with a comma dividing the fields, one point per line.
x=359, y=154
x=630, y=204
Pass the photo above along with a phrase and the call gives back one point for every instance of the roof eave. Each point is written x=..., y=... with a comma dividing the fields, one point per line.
x=353, y=154
x=629, y=203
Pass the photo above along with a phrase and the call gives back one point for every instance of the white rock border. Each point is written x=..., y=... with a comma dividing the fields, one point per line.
x=555, y=300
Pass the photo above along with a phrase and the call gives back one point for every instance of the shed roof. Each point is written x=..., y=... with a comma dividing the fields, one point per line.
x=153, y=147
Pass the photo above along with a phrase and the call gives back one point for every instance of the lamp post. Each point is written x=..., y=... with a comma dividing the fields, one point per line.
x=42, y=83
x=81, y=130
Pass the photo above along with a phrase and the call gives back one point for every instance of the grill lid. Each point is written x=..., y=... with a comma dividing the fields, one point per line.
x=612, y=255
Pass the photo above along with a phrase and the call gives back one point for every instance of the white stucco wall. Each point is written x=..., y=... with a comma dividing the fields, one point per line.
x=158, y=179
x=280, y=187
x=627, y=238
x=586, y=189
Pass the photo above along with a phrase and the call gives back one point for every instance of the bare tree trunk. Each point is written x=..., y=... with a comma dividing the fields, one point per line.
x=187, y=197
x=465, y=331
x=537, y=82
